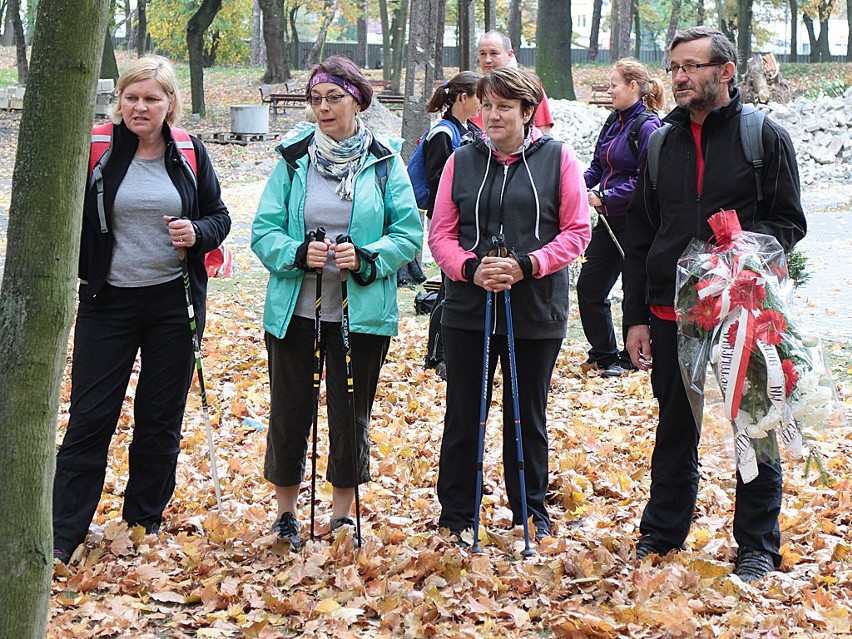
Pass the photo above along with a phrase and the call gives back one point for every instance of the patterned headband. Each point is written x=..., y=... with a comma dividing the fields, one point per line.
x=322, y=76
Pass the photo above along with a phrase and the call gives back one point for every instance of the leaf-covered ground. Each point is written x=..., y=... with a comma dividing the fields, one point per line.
x=221, y=574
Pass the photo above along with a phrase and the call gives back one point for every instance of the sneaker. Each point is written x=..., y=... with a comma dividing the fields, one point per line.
x=287, y=528
x=541, y=531
x=457, y=539
x=62, y=555
x=613, y=370
x=644, y=547
x=753, y=564
x=626, y=363
x=341, y=521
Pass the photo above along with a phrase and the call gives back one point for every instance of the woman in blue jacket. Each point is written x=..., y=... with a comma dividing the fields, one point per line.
x=620, y=150
x=335, y=175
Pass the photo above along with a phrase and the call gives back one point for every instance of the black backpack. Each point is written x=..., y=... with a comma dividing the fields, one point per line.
x=751, y=137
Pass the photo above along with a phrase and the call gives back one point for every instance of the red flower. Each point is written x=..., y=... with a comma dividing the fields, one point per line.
x=705, y=313
x=748, y=291
x=731, y=335
x=713, y=280
x=769, y=327
x=791, y=377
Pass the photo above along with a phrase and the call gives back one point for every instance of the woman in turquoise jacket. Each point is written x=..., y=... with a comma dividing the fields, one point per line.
x=338, y=177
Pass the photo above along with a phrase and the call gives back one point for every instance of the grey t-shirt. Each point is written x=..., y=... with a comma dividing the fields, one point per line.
x=143, y=254
x=323, y=207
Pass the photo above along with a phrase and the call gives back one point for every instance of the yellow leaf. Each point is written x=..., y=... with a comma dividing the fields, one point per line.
x=326, y=605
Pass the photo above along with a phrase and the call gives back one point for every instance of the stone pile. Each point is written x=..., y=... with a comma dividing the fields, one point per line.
x=821, y=130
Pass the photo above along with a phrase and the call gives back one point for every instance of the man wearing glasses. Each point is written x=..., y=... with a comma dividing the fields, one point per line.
x=702, y=168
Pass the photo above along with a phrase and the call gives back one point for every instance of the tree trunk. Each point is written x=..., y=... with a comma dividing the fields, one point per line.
x=553, y=43
x=315, y=53
x=700, y=15
x=295, y=44
x=257, y=56
x=468, y=58
x=386, y=39
x=490, y=16
x=794, y=31
x=8, y=37
x=398, y=28
x=595, y=34
x=809, y=27
x=625, y=19
x=849, y=30
x=744, y=15
x=195, y=30
x=637, y=29
x=440, y=25
x=614, y=28
x=674, y=21
x=37, y=297
x=515, y=22
x=142, y=28
x=822, y=40
x=20, y=41
x=275, y=41
x=420, y=72
x=109, y=66
x=129, y=29
x=361, y=49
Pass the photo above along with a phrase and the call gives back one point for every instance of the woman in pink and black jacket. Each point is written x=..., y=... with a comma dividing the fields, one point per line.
x=527, y=187
x=611, y=179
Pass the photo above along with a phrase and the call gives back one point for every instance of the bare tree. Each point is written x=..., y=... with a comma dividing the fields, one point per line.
x=420, y=71
x=553, y=44
x=515, y=22
x=8, y=37
x=398, y=27
x=820, y=11
x=744, y=17
x=315, y=52
x=275, y=41
x=37, y=297
x=674, y=21
x=257, y=56
x=622, y=35
x=594, y=36
x=195, y=29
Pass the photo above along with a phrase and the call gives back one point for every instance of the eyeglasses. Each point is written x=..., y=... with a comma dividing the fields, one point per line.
x=691, y=68
x=332, y=99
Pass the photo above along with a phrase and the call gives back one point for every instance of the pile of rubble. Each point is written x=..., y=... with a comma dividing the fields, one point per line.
x=821, y=130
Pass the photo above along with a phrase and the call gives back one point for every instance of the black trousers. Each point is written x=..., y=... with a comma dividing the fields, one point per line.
x=291, y=370
x=457, y=473
x=110, y=330
x=674, y=466
x=598, y=275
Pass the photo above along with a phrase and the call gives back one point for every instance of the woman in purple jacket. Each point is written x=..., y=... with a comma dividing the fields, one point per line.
x=620, y=150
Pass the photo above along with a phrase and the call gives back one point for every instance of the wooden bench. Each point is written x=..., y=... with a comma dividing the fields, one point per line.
x=600, y=96
x=289, y=98
x=390, y=100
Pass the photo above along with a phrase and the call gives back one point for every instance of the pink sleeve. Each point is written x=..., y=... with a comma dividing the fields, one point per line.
x=574, y=222
x=444, y=229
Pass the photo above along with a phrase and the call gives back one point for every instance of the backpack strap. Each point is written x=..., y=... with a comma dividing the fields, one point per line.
x=655, y=144
x=633, y=134
x=751, y=136
x=98, y=155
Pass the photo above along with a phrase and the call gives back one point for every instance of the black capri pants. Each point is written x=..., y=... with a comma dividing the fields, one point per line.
x=291, y=366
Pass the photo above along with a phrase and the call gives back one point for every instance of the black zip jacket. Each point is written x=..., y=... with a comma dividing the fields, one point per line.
x=661, y=223
x=203, y=206
x=506, y=201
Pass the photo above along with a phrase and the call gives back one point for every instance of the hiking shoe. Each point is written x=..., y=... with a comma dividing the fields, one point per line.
x=341, y=521
x=457, y=539
x=541, y=531
x=287, y=528
x=644, y=547
x=753, y=564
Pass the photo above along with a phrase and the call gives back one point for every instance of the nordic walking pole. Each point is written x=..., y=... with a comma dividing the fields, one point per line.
x=316, y=236
x=196, y=347
x=350, y=388
x=513, y=373
x=609, y=230
x=483, y=417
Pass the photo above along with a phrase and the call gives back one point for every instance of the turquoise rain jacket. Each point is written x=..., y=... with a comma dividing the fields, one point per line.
x=387, y=225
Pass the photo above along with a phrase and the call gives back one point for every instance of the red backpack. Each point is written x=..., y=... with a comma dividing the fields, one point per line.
x=218, y=262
